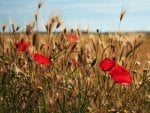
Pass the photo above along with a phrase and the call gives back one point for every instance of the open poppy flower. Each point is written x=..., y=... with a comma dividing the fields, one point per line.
x=22, y=46
x=41, y=59
x=106, y=64
x=72, y=37
x=118, y=73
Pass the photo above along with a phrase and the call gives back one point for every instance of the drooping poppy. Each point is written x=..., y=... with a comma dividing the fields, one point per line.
x=118, y=73
x=22, y=46
x=71, y=37
x=106, y=64
x=41, y=59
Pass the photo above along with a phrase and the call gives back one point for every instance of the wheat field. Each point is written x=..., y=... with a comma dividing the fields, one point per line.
x=60, y=72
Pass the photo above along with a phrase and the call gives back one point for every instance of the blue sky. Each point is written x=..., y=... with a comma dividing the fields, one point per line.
x=92, y=14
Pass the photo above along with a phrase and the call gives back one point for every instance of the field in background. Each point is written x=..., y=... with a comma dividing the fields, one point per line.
x=144, y=49
x=74, y=86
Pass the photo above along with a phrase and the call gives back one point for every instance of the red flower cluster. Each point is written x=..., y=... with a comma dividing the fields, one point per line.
x=118, y=73
x=22, y=46
x=41, y=59
x=72, y=37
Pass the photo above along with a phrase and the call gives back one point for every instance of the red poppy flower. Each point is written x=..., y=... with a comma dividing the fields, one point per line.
x=118, y=73
x=22, y=46
x=72, y=37
x=41, y=59
x=106, y=64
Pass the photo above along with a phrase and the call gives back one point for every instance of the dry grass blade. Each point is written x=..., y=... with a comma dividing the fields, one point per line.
x=94, y=45
x=134, y=48
x=34, y=40
x=105, y=50
x=121, y=54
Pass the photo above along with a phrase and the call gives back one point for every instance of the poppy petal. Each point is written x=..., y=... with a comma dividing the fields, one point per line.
x=72, y=37
x=120, y=75
x=106, y=64
x=41, y=59
x=22, y=46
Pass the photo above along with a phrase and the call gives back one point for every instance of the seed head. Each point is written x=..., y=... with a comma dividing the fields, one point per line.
x=29, y=29
x=65, y=30
x=122, y=15
x=78, y=32
x=40, y=4
x=97, y=30
x=58, y=21
x=17, y=28
x=13, y=27
x=3, y=27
